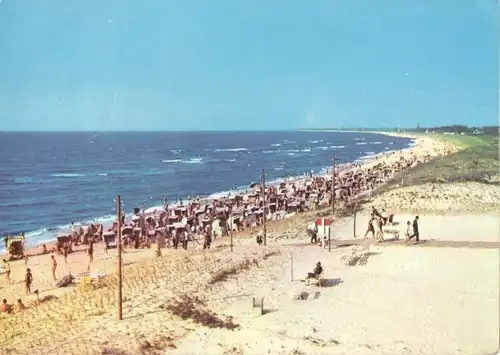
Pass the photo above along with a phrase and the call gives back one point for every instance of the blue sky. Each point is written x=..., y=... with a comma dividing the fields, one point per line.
x=274, y=64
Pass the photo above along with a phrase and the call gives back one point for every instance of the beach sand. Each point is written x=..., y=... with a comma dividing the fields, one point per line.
x=439, y=297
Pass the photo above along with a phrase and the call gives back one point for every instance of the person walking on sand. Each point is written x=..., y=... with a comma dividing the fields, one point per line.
x=379, y=225
x=370, y=228
x=6, y=266
x=408, y=232
x=54, y=266
x=28, y=280
x=415, y=229
x=90, y=251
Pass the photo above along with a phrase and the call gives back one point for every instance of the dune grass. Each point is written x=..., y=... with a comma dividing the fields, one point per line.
x=477, y=160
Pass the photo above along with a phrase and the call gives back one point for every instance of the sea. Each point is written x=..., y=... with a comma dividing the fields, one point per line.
x=50, y=180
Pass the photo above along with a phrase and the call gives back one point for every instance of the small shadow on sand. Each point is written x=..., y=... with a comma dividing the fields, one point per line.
x=347, y=245
x=267, y=311
x=389, y=240
x=331, y=282
x=420, y=242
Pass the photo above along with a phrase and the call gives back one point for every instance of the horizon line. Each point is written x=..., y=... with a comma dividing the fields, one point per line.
x=366, y=129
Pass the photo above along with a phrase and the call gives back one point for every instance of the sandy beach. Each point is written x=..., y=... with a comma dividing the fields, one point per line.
x=438, y=297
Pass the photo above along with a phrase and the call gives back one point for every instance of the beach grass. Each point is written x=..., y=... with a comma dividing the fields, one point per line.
x=475, y=161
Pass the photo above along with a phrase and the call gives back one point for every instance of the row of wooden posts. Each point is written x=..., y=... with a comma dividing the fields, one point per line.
x=158, y=250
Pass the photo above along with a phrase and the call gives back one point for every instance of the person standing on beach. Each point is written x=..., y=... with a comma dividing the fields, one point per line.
x=6, y=266
x=28, y=280
x=415, y=229
x=65, y=252
x=175, y=239
x=408, y=232
x=54, y=266
x=208, y=240
x=90, y=251
x=370, y=228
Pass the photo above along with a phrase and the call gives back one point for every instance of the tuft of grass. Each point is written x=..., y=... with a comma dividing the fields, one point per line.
x=193, y=308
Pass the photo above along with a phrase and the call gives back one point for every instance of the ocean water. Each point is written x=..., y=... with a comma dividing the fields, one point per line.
x=48, y=180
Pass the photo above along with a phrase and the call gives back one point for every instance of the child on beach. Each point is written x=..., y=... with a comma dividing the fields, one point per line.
x=90, y=251
x=6, y=266
x=54, y=266
x=5, y=308
x=28, y=280
x=65, y=253
x=19, y=306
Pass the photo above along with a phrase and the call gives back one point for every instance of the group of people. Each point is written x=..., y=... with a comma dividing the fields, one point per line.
x=378, y=220
x=376, y=224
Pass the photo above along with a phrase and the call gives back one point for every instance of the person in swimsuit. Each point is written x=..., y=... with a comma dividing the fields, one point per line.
x=54, y=267
x=28, y=280
x=90, y=251
x=6, y=266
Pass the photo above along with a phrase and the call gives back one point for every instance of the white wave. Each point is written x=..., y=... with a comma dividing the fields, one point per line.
x=359, y=139
x=391, y=142
x=278, y=169
x=276, y=145
x=338, y=146
x=69, y=175
x=171, y=161
x=360, y=143
x=218, y=150
x=306, y=150
x=323, y=148
x=103, y=174
x=230, y=160
x=177, y=151
x=292, y=150
x=315, y=142
x=291, y=153
x=268, y=151
x=193, y=161
x=375, y=143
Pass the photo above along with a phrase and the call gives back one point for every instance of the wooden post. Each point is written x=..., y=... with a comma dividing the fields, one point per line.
x=119, y=252
x=263, y=187
x=333, y=187
x=329, y=238
x=324, y=234
x=231, y=228
x=354, y=225
x=291, y=267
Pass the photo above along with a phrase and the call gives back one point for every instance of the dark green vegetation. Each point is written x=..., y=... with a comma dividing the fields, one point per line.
x=456, y=129
x=476, y=161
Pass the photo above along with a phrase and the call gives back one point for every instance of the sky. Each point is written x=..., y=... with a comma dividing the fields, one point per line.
x=247, y=65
